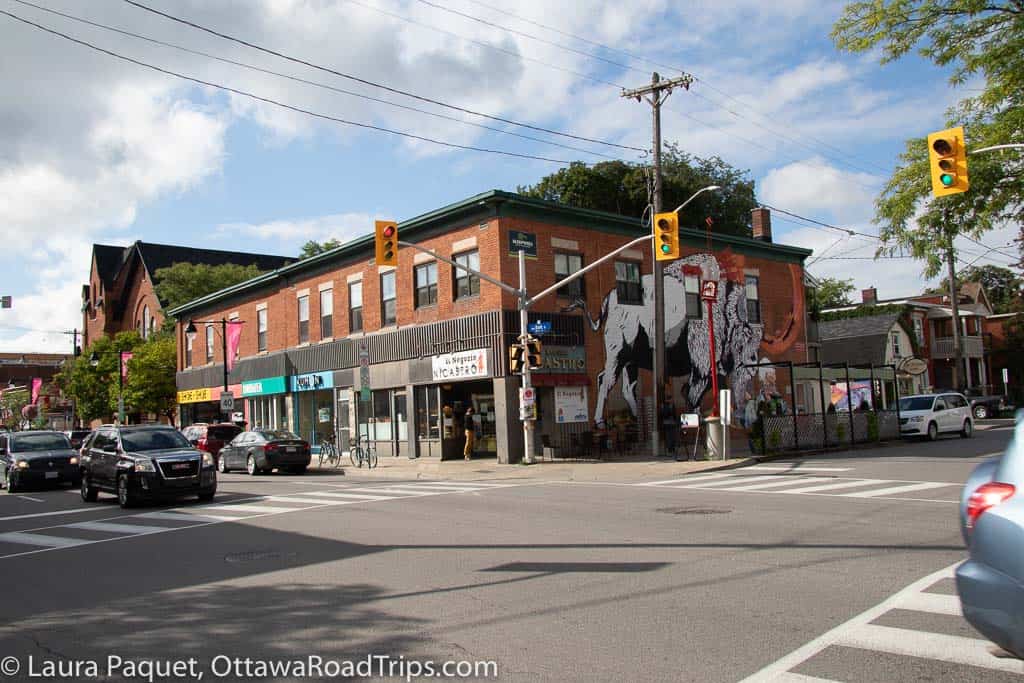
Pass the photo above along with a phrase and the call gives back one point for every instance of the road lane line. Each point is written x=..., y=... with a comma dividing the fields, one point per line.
x=838, y=485
x=936, y=646
x=354, y=496
x=259, y=509
x=117, y=528
x=935, y=603
x=398, y=491
x=34, y=500
x=790, y=677
x=684, y=480
x=797, y=468
x=448, y=487
x=742, y=480
x=898, y=489
x=188, y=517
x=55, y=512
x=302, y=499
x=41, y=539
x=773, y=484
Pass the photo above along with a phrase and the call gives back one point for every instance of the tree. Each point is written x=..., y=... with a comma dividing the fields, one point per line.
x=977, y=39
x=11, y=404
x=95, y=389
x=1003, y=287
x=183, y=282
x=831, y=292
x=150, y=386
x=621, y=187
x=312, y=247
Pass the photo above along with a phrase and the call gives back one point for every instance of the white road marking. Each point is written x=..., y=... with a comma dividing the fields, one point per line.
x=774, y=484
x=55, y=512
x=34, y=500
x=685, y=480
x=189, y=517
x=398, y=491
x=798, y=468
x=303, y=499
x=736, y=480
x=936, y=603
x=837, y=485
x=790, y=677
x=117, y=528
x=939, y=646
x=353, y=496
x=898, y=489
x=443, y=487
x=258, y=509
x=40, y=539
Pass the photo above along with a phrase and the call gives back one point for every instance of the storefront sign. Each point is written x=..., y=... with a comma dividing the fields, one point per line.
x=522, y=241
x=313, y=381
x=560, y=359
x=267, y=385
x=570, y=404
x=461, y=365
x=913, y=366
x=195, y=395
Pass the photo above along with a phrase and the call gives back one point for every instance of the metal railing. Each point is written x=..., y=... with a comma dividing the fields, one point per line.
x=942, y=347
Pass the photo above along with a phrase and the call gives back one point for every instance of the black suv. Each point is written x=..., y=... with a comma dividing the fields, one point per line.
x=145, y=462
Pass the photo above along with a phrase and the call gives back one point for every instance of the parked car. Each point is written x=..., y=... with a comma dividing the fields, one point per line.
x=37, y=457
x=933, y=414
x=145, y=462
x=985, y=406
x=76, y=436
x=211, y=437
x=991, y=581
x=261, y=451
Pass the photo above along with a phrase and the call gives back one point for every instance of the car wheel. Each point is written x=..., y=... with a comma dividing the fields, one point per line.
x=206, y=496
x=124, y=494
x=980, y=412
x=222, y=465
x=933, y=431
x=250, y=465
x=89, y=493
x=10, y=484
x=968, y=429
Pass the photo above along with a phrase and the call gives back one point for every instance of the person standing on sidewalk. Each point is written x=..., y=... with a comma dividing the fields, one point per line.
x=470, y=430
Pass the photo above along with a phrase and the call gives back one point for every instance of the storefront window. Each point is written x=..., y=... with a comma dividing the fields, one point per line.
x=428, y=415
x=314, y=412
x=265, y=412
x=382, y=415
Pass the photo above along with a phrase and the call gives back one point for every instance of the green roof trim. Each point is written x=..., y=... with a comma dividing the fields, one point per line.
x=499, y=203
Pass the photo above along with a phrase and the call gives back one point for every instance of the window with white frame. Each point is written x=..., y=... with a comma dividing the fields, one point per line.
x=326, y=313
x=426, y=284
x=188, y=350
x=467, y=284
x=919, y=331
x=355, y=306
x=261, y=329
x=566, y=265
x=388, y=301
x=209, y=343
x=691, y=283
x=627, y=283
x=303, y=319
x=752, y=287
x=896, y=352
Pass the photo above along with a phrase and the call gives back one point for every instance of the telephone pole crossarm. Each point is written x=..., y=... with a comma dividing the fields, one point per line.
x=637, y=94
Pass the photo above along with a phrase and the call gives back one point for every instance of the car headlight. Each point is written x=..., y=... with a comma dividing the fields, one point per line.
x=23, y=464
x=145, y=466
x=207, y=459
x=917, y=418
x=72, y=460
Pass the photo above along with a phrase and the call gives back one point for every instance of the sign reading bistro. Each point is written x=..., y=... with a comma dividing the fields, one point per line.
x=195, y=395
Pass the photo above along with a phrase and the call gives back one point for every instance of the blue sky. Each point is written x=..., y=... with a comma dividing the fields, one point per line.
x=96, y=150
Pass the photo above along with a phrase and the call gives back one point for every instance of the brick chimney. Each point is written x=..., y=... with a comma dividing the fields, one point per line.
x=869, y=296
x=762, y=224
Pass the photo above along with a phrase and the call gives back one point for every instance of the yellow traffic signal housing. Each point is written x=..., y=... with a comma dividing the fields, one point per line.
x=515, y=358
x=533, y=354
x=386, y=243
x=666, y=236
x=947, y=154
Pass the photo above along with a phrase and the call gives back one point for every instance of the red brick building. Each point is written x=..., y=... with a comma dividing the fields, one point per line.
x=437, y=340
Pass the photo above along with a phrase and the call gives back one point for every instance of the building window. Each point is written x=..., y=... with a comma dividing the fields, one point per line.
x=303, y=319
x=209, y=343
x=467, y=284
x=146, y=322
x=326, y=313
x=752, y=286
x=188, y=351
x=566, y=265
x=919, y=331
x=896, y=345
x=692, y=285
x=388, y=304
x=426, y=284
x=627, y=283
x=355, y=307
x=261, y=329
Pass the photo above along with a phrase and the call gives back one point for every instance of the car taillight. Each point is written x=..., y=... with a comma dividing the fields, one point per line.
x=270, y=448
x=986, y=497
x=306, y=448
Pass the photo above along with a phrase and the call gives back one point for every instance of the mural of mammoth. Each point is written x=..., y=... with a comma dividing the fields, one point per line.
x=629, y=331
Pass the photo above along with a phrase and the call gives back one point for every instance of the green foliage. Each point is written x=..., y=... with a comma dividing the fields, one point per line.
x=775, y=439
x=12, y=403
x=864, y=312
x=829, y=292
x=312, y=247
x=150, y=387
x=621, y=187
x=183, y=282
x=95, y=389
x=1003, y=287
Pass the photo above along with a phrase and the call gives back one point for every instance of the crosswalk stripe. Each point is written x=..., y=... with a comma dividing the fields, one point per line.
x=41, y=539
x=685, y=480
x=798, y=468
x=117, y=528
x=837, y=485
x=302, y=499
x=353, y=496
x=945, y=648
x=738, y=480
x=935, y=603
x=258, y=509
x=906, y=488
x=400, y=491
x=773, y=484
x=442, y=489
x=189, y=517
x=790, y=677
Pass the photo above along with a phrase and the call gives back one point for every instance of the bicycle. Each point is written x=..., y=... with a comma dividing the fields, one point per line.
x=329, y=453
x=358, y=455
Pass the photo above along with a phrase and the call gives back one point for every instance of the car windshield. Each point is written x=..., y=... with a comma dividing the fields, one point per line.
x=222, y=433
x=153, y=440
x=25, y=443
x=916, y=403
x=278, y=435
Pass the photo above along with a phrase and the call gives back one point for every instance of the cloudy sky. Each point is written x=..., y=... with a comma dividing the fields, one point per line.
x=97, y=149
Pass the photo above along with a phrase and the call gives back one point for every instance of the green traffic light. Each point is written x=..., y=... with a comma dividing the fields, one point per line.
x=946, y=179
x=665, y=249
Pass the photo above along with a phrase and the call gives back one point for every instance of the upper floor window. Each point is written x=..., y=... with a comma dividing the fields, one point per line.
x=303, y=319
x=355, y=306
x=326, y=313
x=919, y=330
x=896, y=345
x=467, y=284
x=627, y=283
x=388, y=304
x=261, y=329
x=692, y=285
x=752, y=287
x=426, y=284
x=566, y=265
x=188, y=350
x=209, y=343
x=147, y=323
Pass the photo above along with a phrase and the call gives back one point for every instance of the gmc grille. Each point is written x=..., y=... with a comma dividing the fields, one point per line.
x=175, y=469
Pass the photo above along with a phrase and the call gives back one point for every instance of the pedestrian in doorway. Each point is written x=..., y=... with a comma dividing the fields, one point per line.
x=470, y=430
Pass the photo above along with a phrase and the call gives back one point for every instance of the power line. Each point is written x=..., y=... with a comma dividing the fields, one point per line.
x=297, y=79
x=277, y=103
x=995, y=249
x=821, y=223
x=364, y=81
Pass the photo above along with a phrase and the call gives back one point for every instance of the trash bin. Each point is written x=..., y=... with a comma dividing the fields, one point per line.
x=713, y=426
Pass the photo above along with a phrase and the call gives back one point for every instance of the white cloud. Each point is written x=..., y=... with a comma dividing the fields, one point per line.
x=291, y=234
x=814, y=186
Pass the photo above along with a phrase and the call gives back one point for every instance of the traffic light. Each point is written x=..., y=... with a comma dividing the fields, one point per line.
x=666, y=236
x=533, y=355
x=947, y=154
x=515, y=358
x=386, y=243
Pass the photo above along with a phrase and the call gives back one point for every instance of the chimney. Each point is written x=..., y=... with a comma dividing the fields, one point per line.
x=869, y=296
x=762, y=224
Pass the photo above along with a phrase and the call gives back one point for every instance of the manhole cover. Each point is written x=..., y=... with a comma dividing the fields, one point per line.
x=694, y=511
x=256, y=556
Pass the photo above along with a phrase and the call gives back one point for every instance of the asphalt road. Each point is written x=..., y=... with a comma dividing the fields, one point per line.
x=794, y=568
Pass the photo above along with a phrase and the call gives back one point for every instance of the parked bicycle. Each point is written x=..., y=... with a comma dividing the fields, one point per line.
x=359, y=454
x=329, y=453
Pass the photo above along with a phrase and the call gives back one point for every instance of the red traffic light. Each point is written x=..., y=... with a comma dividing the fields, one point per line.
x=389, y=231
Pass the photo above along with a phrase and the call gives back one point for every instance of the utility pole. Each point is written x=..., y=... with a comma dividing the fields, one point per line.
x=954, y=305
x=655, y=94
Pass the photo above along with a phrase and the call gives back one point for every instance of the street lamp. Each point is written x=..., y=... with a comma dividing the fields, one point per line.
x=694, y=196
x=191, y=331
x=94, y=360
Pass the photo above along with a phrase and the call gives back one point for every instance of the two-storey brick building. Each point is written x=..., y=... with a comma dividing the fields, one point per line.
x=336, y=344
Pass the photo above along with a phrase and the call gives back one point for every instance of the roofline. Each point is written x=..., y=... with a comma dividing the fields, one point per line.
x=492, y=201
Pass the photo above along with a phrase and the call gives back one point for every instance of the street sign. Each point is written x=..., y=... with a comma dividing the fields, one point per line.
x=364, y=371
x=539, y=327
x=227, y=402
x=709, y=290
x=5, y=302
x=527, y=396
x=522, y=241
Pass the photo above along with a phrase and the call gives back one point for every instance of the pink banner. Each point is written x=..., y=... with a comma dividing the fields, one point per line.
x=234, y=333
x=37, y=384
x=125, y=357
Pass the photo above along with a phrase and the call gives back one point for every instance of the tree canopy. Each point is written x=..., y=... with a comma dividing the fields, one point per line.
x=830, y=292
x=1003, y=287
x=150, y=386
x=95, y=389
x=183, y=282
x=621, y=187
x=312, y=247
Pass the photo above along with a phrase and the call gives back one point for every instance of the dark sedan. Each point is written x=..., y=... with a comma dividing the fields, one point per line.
x=37, y=457
x=264, y=450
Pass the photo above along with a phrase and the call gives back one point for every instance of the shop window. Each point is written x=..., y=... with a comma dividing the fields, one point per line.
x=209, y=343
x=426, y=284
x=327, y=314
x=388, y=303
x=627, y=283
x=467, y=284
x=566, y=265
x=692, y=285
x=428, y=414
x=355, y=307
x=753, y=290
x=382, y=416
x=303, y=319
x=261, y=329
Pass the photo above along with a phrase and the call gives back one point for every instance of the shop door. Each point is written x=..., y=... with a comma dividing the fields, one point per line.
x=400, y=419
x=346, y=418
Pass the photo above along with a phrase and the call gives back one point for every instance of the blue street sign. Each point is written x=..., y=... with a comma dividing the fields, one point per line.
x=539, y=327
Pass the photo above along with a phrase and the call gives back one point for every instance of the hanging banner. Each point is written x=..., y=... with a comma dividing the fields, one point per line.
x=234, y=337
x=37, y=384
x=125, y=357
